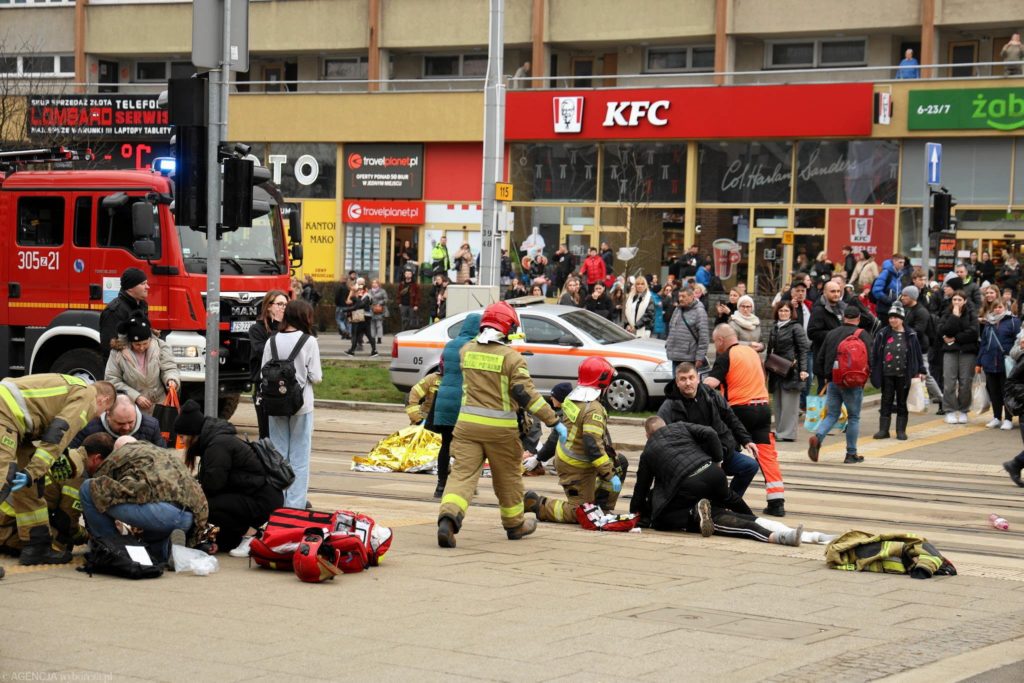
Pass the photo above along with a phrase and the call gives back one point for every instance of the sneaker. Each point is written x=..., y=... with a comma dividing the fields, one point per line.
x=1007, y=425
x=707, y=525
x=813, y=446
x=951, y=418
x=961, y=418
x=853, y=458
x=993, y=423
x=374, y=355
x=243, y=548
x=350, y=354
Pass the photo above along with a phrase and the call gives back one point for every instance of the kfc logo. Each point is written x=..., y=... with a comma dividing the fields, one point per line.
x=568, y=114
x=355, y=212
x=860, y=225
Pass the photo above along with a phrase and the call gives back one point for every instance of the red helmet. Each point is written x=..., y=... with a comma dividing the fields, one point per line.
x=315, y=561
x=501, y=317
x=596, y=372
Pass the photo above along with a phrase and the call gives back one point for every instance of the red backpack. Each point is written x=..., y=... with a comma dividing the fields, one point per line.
x=592, y=517
x=850, y=369
x=276, y=543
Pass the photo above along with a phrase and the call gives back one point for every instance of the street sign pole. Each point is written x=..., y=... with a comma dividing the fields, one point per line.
x=932, y=176
x=493, y=148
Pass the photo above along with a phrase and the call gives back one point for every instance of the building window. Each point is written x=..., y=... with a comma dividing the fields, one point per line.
x=158, y=71
x=38, y=65
x=454, y=66
x=671, y=59
x=825, y=52
x=40, y=221
x=34, y=3
x=345, y=68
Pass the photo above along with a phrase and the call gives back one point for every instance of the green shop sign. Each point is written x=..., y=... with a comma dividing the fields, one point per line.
x=967, y=108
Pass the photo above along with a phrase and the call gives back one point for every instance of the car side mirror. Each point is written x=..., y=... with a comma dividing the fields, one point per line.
x=145, y=249
x=569, y=340
x=142, y=220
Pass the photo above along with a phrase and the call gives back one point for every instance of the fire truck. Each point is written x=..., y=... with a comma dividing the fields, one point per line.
x=67, y=235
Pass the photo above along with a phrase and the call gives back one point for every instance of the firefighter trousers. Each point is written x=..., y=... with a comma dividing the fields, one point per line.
x=758, y=421
x=472, y=444
x=64, y=510
x=581, y=485
x=26, y=505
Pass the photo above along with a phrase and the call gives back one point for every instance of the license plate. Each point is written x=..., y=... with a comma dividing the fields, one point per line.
x=241, y=325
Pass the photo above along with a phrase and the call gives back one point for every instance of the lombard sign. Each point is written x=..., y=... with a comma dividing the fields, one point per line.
x=384, y=171
x=999, y=109
x=107, y=116
x=745, y=112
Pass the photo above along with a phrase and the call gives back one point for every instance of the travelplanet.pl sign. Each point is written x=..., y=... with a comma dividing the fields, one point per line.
x=967, y=108
x=390, y=213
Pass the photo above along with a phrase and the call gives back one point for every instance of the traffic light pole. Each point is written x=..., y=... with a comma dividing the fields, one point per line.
x=926, y=224
x=493, y=148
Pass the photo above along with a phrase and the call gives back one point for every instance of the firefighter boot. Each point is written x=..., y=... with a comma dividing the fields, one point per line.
x=525, y=529
x=776, y=508
x=446, y=531
x=901, y=427
x=883, y=427
x=532, y=502
x=1013, y=468
x=42, y=553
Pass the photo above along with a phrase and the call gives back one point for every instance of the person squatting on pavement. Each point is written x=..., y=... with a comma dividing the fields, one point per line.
x=38, y=416
x=494, y=376
x=588, y=468
x=145, y=487
x=682, y=463
x=739, y=373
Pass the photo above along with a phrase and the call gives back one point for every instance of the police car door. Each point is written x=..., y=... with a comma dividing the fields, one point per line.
x=552, y=353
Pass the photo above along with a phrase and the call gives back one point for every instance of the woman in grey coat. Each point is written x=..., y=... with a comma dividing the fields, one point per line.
x=378, y=310
x=141, y=365
x=787, y=339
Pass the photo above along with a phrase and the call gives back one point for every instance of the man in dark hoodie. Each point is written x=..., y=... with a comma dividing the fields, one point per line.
x=131, y=299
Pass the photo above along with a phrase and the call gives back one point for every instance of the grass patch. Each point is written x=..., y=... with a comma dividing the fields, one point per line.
x=357, y=381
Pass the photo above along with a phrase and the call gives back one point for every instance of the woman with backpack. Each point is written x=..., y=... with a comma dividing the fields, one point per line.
x=959, y=330
x=292, y=435
x=237, y=489
x=999, y=330
x=271, y=313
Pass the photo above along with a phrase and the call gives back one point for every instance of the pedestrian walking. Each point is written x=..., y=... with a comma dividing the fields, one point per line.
x=341, y=302
x=959, y=330
x=359, y=317
x=688, y=331
x=378, y=310
x=999, y=330
x=409, y=301
x=896, y=359
x=746, y=324
x=787, y=340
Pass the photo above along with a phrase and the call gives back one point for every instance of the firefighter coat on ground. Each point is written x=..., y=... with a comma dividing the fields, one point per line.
x=581, y=461
x=495, y=382
x=421, y=398
x=48, y=409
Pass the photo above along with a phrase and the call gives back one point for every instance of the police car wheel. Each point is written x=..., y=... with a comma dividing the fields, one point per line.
x=626, y=394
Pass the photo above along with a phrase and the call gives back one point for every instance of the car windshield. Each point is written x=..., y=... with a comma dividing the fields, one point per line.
x=601, y=329
x=245, y=251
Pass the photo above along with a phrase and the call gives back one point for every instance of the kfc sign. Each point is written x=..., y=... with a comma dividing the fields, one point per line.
x=632, y=113
x=864, y=229
x=384, y=171
x=568, y=114
x=391, y=213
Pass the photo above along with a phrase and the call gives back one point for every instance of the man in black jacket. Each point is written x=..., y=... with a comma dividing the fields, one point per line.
x=827, y=315
x=691, y=401
x=123, y=419
x=130, y=300
x=680, y=485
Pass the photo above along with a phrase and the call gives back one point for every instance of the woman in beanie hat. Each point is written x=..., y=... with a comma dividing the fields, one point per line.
x=231, y=475
x=131, y=300
x=140, y=364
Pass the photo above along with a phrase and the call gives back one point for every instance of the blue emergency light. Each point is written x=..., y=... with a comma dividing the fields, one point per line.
x=165, y=165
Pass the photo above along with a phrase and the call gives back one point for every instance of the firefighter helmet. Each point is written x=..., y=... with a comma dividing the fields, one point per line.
x=501, y=317
x=315, y=561
x=596, y=372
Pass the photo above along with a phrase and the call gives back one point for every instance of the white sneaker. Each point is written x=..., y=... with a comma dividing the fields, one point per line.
x=1007, y=425
x=961, y=418
x=951, y=418
x=993, y=423
x=243, y=548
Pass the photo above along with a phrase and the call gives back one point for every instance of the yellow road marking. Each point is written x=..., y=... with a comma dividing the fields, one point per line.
x=926, y=434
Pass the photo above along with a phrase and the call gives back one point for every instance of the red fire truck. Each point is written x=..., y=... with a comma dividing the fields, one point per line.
x=67, y=235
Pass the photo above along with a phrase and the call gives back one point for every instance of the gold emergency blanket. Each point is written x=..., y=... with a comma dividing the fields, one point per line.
x=413, y=449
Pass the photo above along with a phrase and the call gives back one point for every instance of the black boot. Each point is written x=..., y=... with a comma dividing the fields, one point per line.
x=1013, y=468
x=441, y=483
x=39, y=553
x=446, y=531
x=901, y=427
x=883, y=427
x=776, y=508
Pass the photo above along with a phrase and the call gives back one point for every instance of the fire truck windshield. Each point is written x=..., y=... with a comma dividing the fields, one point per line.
x=258, y=250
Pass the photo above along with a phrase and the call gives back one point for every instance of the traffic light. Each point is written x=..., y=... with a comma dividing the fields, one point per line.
x=186, y=101
x=942, y=207
x=240, y=177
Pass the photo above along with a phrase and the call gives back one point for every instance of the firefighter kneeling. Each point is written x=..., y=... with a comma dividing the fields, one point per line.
x=494, y=375
x=588, y=468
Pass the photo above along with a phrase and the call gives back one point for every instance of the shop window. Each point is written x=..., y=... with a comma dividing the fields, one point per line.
x=825, y=52
x=304, y=170
x=744, y=172
x=675, y=59
x=642, y=173
x=1018, y=173
x=548, y=222
x=976, y=170
x=723, y=239
x=362, y=249
x=847, y=172
x=40, y=221
x=555, y=171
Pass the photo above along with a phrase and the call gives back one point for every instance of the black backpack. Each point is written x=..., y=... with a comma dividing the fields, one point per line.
x=280, y=392
x=279, y=471
x=109, y=555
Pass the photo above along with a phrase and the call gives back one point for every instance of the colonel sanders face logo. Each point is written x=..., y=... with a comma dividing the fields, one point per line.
x=568, y=114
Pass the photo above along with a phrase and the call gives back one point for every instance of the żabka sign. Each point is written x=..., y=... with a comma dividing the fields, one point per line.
x=389, y=213
x=767, y=111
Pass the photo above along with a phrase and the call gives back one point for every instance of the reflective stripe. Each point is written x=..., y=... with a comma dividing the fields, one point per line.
x=16, y=404
x=488, y=362
x=773, y=485
x=506, y=404
x=6, y=508
x=569, y=457
x=456, y=500
x=522, y=372
x=487, y=421
x=513, y=511
x=559, y=509
x=419, y=392
x=536, y=406
x=32, y=517
x=412, y=410
x=44, y=456
x=489, y=412
x=593, y=429
x=70, y=492
x=600, y=461
x=76, y=381
x=570, y=410
x=44, y=392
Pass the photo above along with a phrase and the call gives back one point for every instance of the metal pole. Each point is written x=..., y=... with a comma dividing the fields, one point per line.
x=493, y=146
x=215, y=133
x=926, y=221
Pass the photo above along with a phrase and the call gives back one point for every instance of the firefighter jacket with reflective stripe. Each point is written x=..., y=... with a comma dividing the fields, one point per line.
x=421, y=398
x=588, y=442
x=495, y=384
x=898, y=553
x=141, y=473
x=50, y=409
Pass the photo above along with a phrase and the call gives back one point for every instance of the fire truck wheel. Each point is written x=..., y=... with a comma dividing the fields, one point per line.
x=84, y=363
x=226, y=406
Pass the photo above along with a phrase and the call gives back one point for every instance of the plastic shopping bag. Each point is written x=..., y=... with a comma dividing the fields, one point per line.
x=815, y=412
x=917, y=402
x=979, y=395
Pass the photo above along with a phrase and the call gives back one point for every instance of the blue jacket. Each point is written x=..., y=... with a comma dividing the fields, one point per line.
x=915, y=359
x=996, y=342
x=449, y=393
x=659, y=318
x=704, y=276
x=886, y=288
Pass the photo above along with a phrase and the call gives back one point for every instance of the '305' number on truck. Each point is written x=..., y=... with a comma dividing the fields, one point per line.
x=36, y=260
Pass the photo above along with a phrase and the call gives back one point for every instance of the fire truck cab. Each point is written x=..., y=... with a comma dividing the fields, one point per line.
x=67, y=235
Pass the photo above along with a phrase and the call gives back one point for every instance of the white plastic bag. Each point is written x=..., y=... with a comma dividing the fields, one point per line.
x=917, y=402
x=979, y=395
x=198, y=562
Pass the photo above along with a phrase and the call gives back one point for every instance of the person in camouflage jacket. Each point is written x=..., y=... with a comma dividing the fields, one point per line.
x=146, y=487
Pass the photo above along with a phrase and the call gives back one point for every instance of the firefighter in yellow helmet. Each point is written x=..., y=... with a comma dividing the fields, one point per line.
x=39, y=415
x=495, y=382
x=588, y=468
